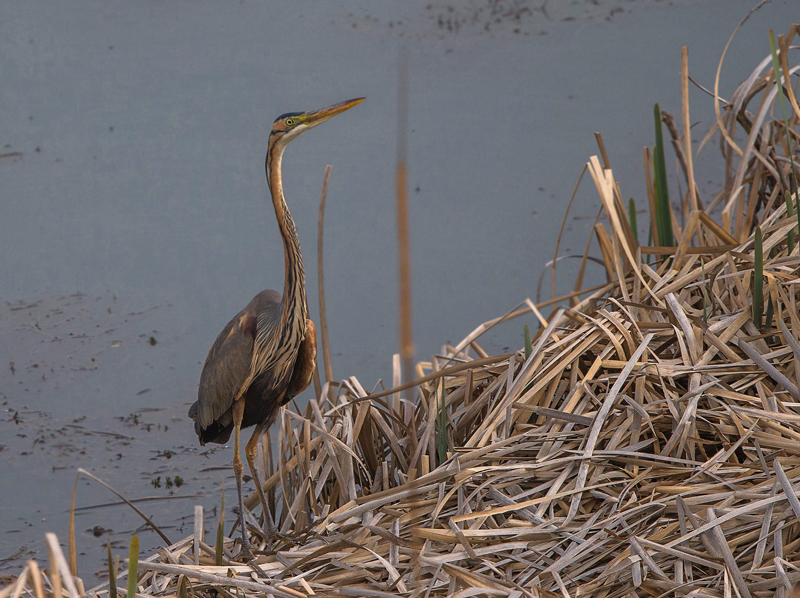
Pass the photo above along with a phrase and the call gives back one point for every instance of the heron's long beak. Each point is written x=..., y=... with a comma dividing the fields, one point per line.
x=319, y=116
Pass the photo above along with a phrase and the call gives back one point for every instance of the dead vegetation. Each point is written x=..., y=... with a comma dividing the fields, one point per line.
x=647, y=442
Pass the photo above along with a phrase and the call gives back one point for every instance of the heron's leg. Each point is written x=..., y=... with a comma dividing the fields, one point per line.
x=238, y=414
x=250, y=452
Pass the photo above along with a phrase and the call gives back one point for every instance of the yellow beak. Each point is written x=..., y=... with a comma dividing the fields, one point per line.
x=319, y=116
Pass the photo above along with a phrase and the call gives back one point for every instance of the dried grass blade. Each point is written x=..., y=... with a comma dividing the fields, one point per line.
x=561, y=231
x=59, y=565
x=198, y=531
x=36, y=578
x=217, y=580
x=787, y=487
x=730, y=563
x=152, y=525
x=73, y=551
x=768, y=368
x=600, y=418
x=15, y=589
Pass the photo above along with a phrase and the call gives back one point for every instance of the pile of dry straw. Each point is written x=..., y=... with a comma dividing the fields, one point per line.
x=649, y=444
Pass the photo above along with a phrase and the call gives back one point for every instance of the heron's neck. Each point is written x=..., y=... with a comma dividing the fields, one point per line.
x=294, y=287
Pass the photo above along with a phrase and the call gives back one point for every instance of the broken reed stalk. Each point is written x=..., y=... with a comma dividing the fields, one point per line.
x=72, y=549
x=323, y=316
x=403, y=241
x=687, y=129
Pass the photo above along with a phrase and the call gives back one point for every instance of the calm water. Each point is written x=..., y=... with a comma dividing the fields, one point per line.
x=135, y=220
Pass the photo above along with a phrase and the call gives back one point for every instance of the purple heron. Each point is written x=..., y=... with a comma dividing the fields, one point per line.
x=266, y=354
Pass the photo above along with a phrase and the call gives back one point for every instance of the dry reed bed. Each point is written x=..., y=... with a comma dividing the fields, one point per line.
x=649, y=444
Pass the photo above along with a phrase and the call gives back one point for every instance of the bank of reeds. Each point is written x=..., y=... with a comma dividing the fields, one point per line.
x=645, y=442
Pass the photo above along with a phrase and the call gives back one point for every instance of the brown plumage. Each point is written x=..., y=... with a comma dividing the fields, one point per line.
x=266, y=354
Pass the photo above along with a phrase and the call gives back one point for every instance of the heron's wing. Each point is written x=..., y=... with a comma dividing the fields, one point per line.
x=226, y=369
x=304, y=364
x=228, y=365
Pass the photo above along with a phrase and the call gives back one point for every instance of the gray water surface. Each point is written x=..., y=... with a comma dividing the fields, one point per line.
x=136, y=219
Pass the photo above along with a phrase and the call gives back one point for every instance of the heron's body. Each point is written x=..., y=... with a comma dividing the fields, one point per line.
x=229, y=363
x=267, y=353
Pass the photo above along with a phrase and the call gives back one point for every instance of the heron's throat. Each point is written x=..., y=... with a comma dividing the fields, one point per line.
x=294, y=310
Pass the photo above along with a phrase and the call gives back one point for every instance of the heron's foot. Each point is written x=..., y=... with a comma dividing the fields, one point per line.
x=245, y=554
x=270, y=530
x=274, y=539
x=247, y=526
x=270, y=533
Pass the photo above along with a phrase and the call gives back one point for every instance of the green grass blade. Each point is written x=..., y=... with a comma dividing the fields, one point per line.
x=632, y=218
x=528, y=343
x=796, y=206
x=112, y=573
x=663, y=214
x=218, y=552
x=758, y=280
x=133, y=566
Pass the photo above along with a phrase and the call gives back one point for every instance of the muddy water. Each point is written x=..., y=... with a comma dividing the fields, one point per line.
x=135, y=220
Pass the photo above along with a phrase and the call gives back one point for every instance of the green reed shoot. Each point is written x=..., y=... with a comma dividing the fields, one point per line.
x=632, y=218
x=663, y=213
x=112, y=573
x=790, y=213
x=133, y=566
x=758, y=281
x=528, y=342
x=220, y=532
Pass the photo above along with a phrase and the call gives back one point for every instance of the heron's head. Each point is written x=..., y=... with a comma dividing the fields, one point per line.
x=288, y=126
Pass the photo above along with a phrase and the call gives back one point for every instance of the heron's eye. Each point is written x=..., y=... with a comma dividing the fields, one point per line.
x=290, y=122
